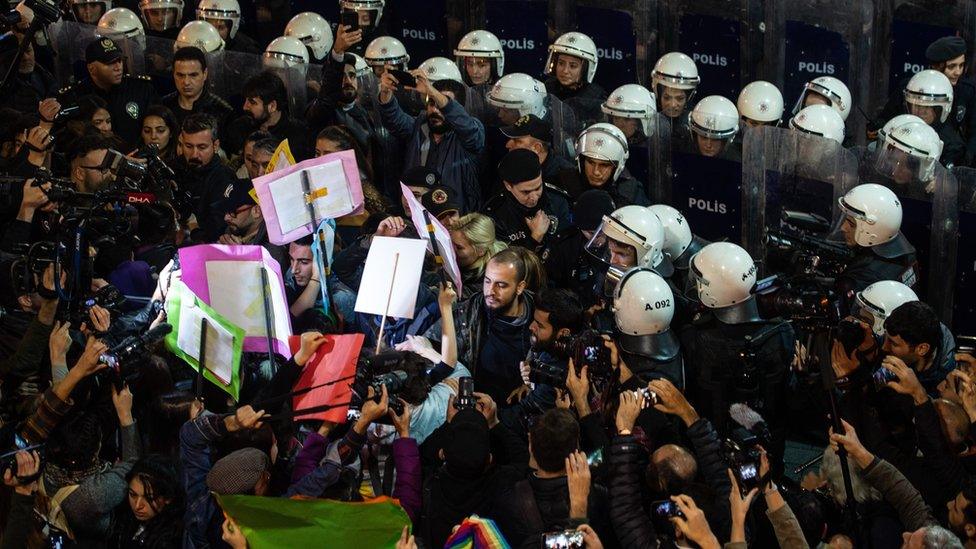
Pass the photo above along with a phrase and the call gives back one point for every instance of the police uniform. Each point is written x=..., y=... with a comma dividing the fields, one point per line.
x=893, y=260
x=963, y=114
x=127, y=101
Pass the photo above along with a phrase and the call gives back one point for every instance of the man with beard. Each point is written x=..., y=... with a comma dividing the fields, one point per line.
x=266, y=108
x=558, y=315
x=245, y=224
x=535, y=134
x=493, y=326
x=204, y=176
x=529, y=211
x=191, y=96
x=88, y=170
x=444, y=138
x=127, y=96
x=336, y=103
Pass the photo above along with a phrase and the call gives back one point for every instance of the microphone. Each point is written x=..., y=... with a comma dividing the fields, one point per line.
x=745, y=416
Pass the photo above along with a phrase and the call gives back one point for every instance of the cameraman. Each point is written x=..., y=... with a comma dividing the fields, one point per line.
x=558, y=316
x=89, y=171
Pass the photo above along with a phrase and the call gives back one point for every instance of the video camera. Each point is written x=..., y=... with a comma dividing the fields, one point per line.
x=123, y=358
x=742, y=453
x=373, y=372
x=585, y=349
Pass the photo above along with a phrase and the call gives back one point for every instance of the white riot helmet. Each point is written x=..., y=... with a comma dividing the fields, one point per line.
x=876, y=212
x=481, y=43
x=675, y=70
x=724, y=275
x=760, y=101
x=386, y=50
x=819, y=120
x=118, y=23
x=880, y=299
x=915, y=145
x=643, y=303
x=226, y=10
x=715, y=117
x=199, y=34
x=106, y=6
x=632, y=101
x=285, y=52
x=364, y=5
x=930, y=88
x=314, y=31
x=633, y=226
x=578, y=45
x=677, y=232
x=441, y=68
x=896, y=121
x=361, y=67
x=177, y=5
x=520, y=92
x=603, y=141
x=832, y=89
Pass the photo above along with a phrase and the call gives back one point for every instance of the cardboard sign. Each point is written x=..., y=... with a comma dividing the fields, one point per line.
x=334, y=360
x=441, y=235
x=391, y=278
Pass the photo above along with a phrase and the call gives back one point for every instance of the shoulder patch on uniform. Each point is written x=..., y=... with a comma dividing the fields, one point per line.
x=556, y=189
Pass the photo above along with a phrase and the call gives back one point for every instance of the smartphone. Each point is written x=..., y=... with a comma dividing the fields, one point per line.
x=404, y=78
x=747, y=475
x=567, y=539
x=350, y=18
x=665, y=509
x=882, y=376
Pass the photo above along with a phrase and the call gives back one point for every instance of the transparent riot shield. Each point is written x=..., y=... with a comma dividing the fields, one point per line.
x=964, y=310
x=708, y=190
x=69, y=39
x=718, y=35
x=929, y=201
x=649, y=146
x=228, y=71
x=616, y=27
x=159, y=63
x=565, y=126
x=386, y=150
x=787, y=178
x=808, y=39
x=295, y=79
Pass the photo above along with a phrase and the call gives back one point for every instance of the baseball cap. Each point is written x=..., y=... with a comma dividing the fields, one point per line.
x=103, y=50
x=440, y=200
x=236, y=194
x=532, y=126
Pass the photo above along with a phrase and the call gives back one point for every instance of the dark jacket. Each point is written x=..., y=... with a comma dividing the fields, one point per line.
x=624, y=191
x=330, y=108
x=456, y=157
x=208, y=186
x=510, y=216
x=585, y=100
x=127, y=103
x=208, y=103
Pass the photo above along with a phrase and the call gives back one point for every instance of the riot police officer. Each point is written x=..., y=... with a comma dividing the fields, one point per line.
x=633, y=109
x=825, y=90
x=571, y=67
x=127, y=96
x=225, y=16
x=567, y=263
x=200, y=34
x=680, y=244
x=643, y=307
x=674, y=80
x=714, y=123
x=162, y=17
x=760, y=103
x=601, y=158
x=314, y=31
x=480, y=57
x=948, y=55
x=819, y=120
x=732, y=353
x=871, y=226
x=907, y=156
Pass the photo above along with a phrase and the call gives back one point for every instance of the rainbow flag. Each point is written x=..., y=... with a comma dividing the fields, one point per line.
x=273, y=523
x=477, y=533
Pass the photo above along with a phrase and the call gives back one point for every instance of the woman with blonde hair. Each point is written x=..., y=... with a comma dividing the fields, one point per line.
x=474, y=241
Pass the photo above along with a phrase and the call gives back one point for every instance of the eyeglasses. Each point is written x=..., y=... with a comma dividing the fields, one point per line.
x=240, y=210
x=96, y=168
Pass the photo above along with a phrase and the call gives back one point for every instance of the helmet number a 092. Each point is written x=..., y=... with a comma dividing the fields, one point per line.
x=664, y=303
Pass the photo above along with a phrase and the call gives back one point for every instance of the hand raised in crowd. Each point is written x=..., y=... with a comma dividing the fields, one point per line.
x=739, y=507
x=961, y=385
x=90, y=360
x=616, y=361
x=123, y=404
x=310, y=342
x=579, y=388
x=518, y=394
x=693, y=524
x=245, y=418
x=848, y=439
x=407, y=540
x=59, y=342
x=420, y=345
x=48, y=110
x=231, y=533
x=345, y=38
x=388, y=85
x=486, y=405
x=23, y=478
x=578, y=479
x=447, y=296
x=373, y=410
x=672, y=401
x=907, y=382
x=538, y=225
x=562, y=398
x=631, y=404
x=401, y=422
x=101, y=319
x=842, y=363
x=34, y=198
x=590, y=539
x=391, y=226
x=39, y=138
x=967, y=362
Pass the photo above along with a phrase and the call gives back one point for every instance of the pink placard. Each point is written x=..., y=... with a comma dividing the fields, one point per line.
x=194, y=273
x=262, y=186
